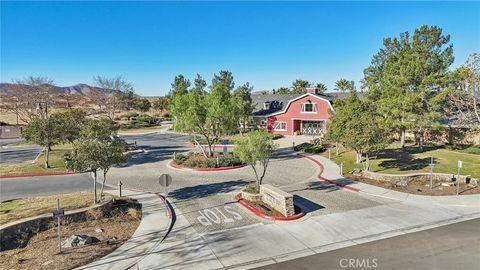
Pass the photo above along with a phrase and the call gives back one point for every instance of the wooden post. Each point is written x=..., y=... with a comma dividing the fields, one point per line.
x=59, y=233
x=329, y=153
x=120, y=188
x=341, y=168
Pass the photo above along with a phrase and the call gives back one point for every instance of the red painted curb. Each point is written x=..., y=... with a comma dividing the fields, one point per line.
x=169, y=211
x=36, y=174
x=176, y=166
x=325, y=179
x=262, y=215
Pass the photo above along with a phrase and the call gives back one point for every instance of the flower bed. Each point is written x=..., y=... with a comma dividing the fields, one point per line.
x=197, y=160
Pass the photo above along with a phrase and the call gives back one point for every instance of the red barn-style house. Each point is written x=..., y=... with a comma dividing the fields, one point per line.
x=292, y=114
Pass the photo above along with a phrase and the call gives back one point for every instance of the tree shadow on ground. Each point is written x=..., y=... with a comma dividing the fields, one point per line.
x=201, y=191
x=306, y=205
x=317, y=186
x=403, y=159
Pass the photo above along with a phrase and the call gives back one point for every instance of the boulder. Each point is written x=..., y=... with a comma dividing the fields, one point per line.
x=78, y=241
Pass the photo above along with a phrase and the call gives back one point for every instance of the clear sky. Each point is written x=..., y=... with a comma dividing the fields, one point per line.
x=268, y=44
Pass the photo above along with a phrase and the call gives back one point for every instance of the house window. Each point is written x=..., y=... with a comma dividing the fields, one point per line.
x=309, y=108
x=263, y=122
x=280, y=126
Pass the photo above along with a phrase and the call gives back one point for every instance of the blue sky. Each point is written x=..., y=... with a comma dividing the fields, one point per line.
x=268, y=44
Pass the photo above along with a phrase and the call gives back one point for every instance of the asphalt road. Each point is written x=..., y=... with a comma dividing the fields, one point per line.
x=18, y=154
x=14, y=188
x=455, y=246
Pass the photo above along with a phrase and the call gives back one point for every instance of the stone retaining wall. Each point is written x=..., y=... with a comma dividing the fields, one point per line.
x=404, y=179
x=16, y=234
x=278, y=199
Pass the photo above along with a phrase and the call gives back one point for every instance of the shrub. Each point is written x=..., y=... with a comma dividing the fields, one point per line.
x=252, y=188
x=277, y=136
x=180, y=159
x=310, y=148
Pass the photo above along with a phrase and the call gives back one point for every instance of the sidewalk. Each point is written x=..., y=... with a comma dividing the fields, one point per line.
x=267, y=243
x=332, y=171
x=154, y=226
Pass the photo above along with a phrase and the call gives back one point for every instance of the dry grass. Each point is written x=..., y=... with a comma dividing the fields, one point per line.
x=23, y=208
x=41, y=251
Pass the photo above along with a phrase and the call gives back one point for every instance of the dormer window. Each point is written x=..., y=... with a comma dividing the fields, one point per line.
x=309, y=107
x=266, y=105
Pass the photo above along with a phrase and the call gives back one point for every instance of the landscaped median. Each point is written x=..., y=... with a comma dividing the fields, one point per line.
x=270, y=203
x=198, y=162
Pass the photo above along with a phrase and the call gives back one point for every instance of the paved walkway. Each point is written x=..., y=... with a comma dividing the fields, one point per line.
x=263, y=243
x=154, y=226
x=332, y=172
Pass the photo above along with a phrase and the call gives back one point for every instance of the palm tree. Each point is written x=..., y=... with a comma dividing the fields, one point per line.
x=344, y=85
x=321, y=88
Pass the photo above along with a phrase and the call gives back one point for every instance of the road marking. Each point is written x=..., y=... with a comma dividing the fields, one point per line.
x=216, y=216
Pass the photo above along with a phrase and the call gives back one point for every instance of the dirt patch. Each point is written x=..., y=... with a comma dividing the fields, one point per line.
x=420, y=187
x=41, y=252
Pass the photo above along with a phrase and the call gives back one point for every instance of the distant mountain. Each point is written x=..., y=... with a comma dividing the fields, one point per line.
x=77, y=89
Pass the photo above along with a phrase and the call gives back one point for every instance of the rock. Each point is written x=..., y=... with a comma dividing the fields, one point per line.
x=98, y=230
x=47, y=263
x=112, y=240
x=78, y=241
x=447, y=184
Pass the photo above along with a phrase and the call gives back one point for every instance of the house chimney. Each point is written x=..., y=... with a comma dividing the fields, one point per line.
x=312, y=90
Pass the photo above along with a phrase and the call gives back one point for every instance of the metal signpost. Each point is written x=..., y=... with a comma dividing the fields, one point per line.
x=58, y=214
x=459, y=165
x=225, y=149
x=432, y=165
x=165, y=180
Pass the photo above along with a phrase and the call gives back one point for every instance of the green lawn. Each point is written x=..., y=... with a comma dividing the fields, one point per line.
x=395, y=160
x=56, y=162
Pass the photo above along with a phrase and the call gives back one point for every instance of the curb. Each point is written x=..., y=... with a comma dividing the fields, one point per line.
x=319, y=176
x=262, y=215
x=171, y=216
x=179, y=167
x=37, y=174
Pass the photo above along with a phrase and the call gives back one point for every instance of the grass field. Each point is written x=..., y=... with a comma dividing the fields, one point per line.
x=395, y=160
x=23, y=208
x=56, y=162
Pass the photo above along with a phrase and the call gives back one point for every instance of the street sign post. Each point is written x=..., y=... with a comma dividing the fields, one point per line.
x=60, y=212
x=225, y=149
x=432, y=165
x=165, y=180
x=459, y=165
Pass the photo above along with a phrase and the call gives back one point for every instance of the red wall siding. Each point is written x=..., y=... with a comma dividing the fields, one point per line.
x=294, y=112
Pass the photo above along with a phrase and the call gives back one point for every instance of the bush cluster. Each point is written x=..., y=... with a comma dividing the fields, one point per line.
x=192, y=160
x=310, y=148
x=140, y=121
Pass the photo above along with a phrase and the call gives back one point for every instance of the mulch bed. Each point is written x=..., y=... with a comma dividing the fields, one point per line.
x=418, y=187
x=41, y=251
x=268, y=211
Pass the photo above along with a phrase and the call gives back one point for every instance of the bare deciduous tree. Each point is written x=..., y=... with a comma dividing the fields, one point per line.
x=31, y=98
x=117, y=84
x=465, y=98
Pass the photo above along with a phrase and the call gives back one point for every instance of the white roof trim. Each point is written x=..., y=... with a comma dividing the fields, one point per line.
x=297, y=98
